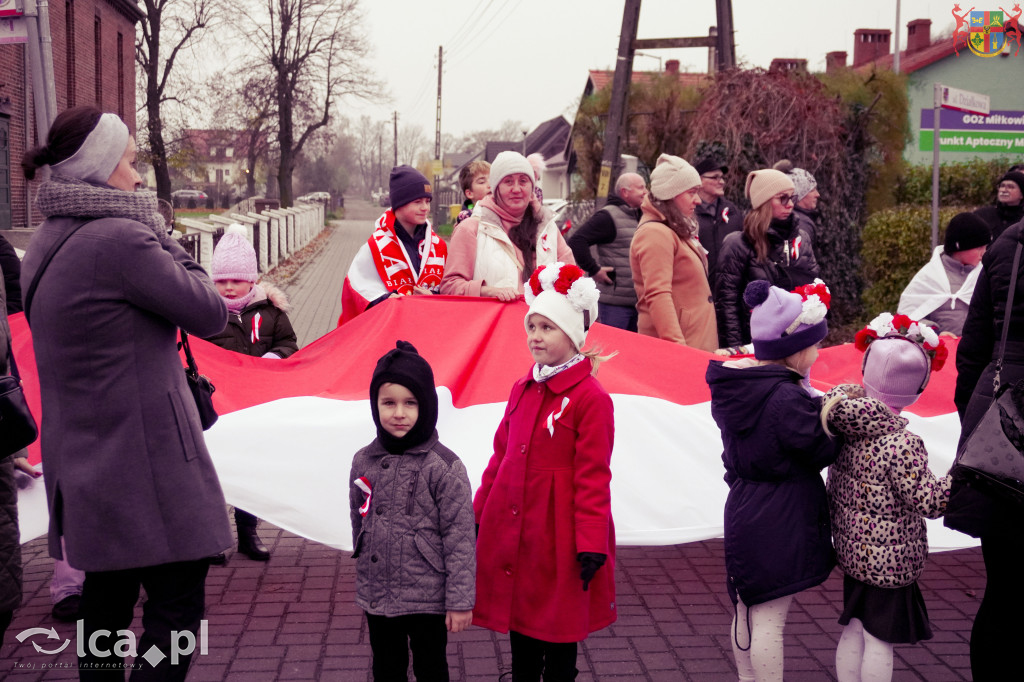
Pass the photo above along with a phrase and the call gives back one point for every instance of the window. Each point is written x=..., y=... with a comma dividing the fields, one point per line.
x=227, y=173
x=213, y=152
x=229, y=152
x=120, y=74
x=69, y=49
x=97, y=35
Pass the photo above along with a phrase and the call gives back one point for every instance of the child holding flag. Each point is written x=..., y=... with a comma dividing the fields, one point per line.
x=546, y=547
x=403, y=256
x=258, y=325
x=778, y=541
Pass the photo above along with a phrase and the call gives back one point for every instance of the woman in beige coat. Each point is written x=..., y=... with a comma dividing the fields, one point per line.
x=670, y=267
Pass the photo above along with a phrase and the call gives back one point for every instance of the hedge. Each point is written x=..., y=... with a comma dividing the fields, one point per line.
x=896, y=244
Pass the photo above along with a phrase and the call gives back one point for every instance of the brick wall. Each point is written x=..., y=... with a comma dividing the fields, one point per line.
x=114, y=18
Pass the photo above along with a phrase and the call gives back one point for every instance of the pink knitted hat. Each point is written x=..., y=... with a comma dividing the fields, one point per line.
x=234, y=257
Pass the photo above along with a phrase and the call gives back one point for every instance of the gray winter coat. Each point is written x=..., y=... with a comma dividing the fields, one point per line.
x=129, y=481
x=416, y=545
x=10, y=544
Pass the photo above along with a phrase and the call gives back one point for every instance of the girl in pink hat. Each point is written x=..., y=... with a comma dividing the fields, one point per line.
x=880, y=492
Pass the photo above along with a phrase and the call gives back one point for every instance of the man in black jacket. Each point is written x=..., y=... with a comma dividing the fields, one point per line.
x=716, y=215
x=611, y=230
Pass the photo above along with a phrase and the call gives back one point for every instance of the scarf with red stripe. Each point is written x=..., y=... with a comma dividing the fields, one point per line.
x=393, y=263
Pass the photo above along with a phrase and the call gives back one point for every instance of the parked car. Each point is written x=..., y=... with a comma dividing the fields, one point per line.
x=385, y=199
x=315, y=197
x=188, y=197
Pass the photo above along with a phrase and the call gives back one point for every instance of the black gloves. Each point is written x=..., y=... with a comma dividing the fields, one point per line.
x=589, y=563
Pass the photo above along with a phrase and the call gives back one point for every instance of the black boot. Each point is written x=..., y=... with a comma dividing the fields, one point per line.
x=249, y=542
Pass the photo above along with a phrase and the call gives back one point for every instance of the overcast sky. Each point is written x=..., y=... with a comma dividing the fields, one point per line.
x=527, y=60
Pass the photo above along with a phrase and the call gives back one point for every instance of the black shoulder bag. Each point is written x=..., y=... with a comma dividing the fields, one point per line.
x=202, y=389
x=992, y=457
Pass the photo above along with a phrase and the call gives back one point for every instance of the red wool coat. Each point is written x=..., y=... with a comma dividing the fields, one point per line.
x=544, y=497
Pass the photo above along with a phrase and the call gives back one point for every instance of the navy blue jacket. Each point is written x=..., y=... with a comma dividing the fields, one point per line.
x=778, y=537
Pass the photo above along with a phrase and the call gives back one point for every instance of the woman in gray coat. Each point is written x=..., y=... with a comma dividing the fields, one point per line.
x=129, y=482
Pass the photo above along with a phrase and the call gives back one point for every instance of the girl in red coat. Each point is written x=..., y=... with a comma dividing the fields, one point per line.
x=546, y=545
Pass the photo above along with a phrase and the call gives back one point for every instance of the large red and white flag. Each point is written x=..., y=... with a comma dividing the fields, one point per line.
x=288, y=428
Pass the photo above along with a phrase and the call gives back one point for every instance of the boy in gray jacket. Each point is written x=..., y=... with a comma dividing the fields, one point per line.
x=412, y=526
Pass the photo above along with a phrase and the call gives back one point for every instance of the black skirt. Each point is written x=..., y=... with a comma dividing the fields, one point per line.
x=895, y=615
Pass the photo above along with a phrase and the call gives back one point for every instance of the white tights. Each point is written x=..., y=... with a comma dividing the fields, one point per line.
x=759, y=651
x=862, y=657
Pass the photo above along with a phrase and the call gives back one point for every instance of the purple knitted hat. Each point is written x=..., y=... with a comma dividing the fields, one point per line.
x=896, y=370
x=781, y=322
x=234, y=257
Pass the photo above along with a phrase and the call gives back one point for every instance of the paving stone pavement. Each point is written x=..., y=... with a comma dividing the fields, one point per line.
x=294, y=617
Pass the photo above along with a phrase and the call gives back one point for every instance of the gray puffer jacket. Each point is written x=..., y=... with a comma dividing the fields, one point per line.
x=415, y=537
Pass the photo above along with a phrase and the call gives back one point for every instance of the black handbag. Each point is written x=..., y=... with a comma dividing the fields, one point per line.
x=17, y=425
x=992, y=457
x=200, y=385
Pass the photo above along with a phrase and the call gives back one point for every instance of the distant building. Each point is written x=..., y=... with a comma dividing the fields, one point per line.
x=93, y=63
x=215, y=161
x=926, y=62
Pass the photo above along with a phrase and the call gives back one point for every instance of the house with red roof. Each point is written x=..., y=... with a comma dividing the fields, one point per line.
x=927, y=61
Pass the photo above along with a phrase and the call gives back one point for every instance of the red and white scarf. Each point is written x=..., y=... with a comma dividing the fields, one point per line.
x=393, y=263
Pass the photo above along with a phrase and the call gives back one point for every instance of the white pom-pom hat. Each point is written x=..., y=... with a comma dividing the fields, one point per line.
x=566, y=296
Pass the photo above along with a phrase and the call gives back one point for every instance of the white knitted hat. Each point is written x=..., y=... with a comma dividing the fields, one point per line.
x=566, y=296
x=508, y=163
x=672, y=176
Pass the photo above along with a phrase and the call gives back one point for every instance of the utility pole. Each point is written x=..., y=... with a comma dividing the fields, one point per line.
x=40, y=54
x=726, y=48
x=437, y=136
x=617, y=113
x=396, y=138
x=896, y=54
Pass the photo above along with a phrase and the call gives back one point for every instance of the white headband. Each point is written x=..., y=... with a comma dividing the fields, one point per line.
x=99, y=155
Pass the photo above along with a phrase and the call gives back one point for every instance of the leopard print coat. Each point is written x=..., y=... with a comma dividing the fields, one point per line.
x=880, y=490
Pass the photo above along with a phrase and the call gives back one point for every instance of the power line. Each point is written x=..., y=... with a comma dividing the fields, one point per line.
x=473, y=43
x=468, y=22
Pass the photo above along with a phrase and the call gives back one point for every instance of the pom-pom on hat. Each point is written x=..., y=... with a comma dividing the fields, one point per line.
x=899, y=355
x=509, y=163
x=763, y=184
x=966, y=231
x=234, y=257
x=566, y=296
x=672, y=176
x=405, y=366
x=406, y=185
x=783, y=323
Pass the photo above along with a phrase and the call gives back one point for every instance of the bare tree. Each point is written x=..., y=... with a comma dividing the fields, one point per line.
x=174, y=24
x=314, y=50
x=411, y=142
x=368, y=143
x=245, y=104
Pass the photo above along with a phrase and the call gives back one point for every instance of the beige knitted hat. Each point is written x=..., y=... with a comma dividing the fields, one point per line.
x=762, y=185
x=672, y=176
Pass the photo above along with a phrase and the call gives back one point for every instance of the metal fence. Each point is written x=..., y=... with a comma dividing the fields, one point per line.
x=191, y=244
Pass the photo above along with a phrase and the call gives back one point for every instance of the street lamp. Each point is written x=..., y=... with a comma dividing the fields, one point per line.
x=651, y=56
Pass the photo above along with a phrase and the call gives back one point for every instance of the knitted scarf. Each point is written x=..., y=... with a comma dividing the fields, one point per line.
x=237, y=305
x=65, y=196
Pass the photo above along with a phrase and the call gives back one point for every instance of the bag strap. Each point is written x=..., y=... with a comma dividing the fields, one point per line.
x=30, y=294
x=189, y=359
x=1006, y=317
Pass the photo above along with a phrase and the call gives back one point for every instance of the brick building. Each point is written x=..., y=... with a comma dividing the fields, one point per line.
x=93, y=63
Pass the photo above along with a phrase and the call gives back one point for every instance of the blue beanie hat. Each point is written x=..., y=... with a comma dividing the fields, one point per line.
x=407, y=185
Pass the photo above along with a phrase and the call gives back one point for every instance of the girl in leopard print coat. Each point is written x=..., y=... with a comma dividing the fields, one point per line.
x=880, y=491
